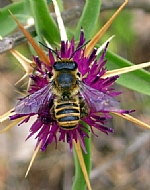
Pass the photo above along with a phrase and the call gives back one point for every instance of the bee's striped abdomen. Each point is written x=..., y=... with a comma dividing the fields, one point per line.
x=67, y=113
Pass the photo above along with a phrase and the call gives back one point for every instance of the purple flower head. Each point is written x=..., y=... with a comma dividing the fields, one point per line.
x=69, y=96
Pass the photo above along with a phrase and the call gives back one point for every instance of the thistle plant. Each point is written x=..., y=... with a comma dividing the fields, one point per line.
x=95, y=84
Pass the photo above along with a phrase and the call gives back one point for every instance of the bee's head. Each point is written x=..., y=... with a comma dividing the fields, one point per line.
x=65, y=74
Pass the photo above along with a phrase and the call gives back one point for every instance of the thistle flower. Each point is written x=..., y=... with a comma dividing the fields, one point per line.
x=46, y=127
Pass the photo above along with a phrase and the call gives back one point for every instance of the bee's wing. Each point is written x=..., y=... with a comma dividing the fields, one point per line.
x=32, y=103
x=98, y=101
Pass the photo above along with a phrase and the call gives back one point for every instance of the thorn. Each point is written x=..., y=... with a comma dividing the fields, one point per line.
x=6, y=115
x=133, y=120
x=39, y=51
x=61, y=26
x=32, y=159
x=104, y=45
x=12, y=124
x=97, y=37
x=125, y=70
x=24, y=76
x=26, y=63
x=82, y=164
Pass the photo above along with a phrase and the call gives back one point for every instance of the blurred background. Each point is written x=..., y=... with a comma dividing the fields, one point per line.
x=120, y=161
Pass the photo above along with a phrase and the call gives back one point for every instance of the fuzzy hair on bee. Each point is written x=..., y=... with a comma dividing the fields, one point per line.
x=65, y=78
x=67, y=104
x=72, y=98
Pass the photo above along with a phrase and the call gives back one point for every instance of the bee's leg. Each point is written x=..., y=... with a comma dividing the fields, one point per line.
x=52, y=112
x=84, y=109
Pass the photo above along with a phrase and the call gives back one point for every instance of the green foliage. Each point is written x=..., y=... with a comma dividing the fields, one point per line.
x=122, y=29
x=44, y=23
x=89, y=18
x=7, y=25
x=138, y=80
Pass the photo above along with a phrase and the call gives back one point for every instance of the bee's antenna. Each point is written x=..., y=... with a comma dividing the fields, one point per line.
x=51, y=50
x=79, y=48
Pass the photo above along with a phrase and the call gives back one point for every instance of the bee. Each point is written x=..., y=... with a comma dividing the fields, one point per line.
x=72, y=98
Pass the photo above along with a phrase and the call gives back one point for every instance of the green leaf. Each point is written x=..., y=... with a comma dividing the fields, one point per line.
x=89, y=18
x=44, y=23
x=79, y=181
x=138, y=80
x=19, y=11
